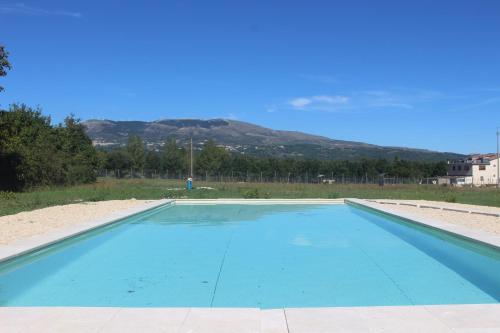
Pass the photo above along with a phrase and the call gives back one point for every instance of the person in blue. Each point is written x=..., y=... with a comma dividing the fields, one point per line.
x=189, y=183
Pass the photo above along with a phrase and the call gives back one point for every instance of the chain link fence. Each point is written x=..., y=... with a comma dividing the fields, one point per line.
x=261, y=177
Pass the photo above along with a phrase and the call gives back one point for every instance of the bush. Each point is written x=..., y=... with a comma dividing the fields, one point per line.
x=451, y=198
x=7, y=195
x=34, y=153
x=174, y=194
x=251, y=194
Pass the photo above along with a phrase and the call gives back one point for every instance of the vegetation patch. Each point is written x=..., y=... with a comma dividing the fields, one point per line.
x=112, y=189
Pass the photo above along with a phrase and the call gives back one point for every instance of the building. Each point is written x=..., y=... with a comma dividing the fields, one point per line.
x=477, y=170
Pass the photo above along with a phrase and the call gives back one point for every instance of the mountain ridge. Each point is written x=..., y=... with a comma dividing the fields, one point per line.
x=246, y=138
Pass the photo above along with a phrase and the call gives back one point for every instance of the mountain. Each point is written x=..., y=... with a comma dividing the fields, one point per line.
x=245, y=138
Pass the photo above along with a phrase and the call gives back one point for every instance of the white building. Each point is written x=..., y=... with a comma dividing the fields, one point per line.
x=477, y=170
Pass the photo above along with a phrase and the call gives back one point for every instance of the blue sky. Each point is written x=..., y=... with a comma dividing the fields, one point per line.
x=420, y=73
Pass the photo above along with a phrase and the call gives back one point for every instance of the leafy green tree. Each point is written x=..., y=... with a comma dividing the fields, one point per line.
x=212, y=159
x=4, y=63
x=34, y=153
x=102, y=157
x=173, y=158
x=119, y=159
x=79, y=156
x=26, y=138
x=135, y=148
x=153, y=161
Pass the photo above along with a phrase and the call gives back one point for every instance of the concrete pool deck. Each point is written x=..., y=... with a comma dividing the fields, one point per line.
x=434, y=318
x=460, y=230
x=477, y=318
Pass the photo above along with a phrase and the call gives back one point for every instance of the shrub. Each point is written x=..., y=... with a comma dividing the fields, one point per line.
x=451, y=198
x=173, y=194
x=251, y=194
x=7, y=195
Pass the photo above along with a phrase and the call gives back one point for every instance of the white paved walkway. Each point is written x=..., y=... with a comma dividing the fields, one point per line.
x=479, y=318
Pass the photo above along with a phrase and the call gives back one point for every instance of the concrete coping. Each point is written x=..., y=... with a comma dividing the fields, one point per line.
x=38, y=242
x=258, y=201
x=457, y=230
x=390, y=319
x=32, y=244
x=434, y=207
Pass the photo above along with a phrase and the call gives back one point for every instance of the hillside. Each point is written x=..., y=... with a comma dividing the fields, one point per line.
x=245, y=138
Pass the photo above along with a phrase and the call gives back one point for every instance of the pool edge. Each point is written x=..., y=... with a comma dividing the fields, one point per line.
x=22, y=247
x=445, y=318
x=414, y=318
x=39, y=242
x=455, y=230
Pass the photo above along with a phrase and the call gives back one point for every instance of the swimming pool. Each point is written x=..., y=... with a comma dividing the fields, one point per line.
x=265, y=256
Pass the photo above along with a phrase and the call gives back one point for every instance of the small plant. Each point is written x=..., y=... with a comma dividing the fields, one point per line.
x=7, y=195
x=451, y=198
x=172, y=194
x=333, y=195
x=251, y=194
x=97, y=197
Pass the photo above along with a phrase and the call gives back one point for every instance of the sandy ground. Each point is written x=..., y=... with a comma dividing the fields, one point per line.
x=28, y=224
x=36, y=222
x=490, y=224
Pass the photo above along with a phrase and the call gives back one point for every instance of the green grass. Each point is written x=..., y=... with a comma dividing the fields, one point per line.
x=11, y=203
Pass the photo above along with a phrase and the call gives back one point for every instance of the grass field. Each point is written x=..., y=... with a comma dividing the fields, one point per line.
x=11, y=203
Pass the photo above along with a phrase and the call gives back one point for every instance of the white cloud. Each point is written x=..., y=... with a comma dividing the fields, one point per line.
x=319, y=102
x=21, y=8
x=331, y=99
x=300, y=102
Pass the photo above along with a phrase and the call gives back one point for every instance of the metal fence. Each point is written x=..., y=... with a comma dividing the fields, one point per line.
x=261, y=177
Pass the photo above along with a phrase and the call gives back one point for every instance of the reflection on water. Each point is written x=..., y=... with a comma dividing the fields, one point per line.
x=268, y=256
x=206, y=215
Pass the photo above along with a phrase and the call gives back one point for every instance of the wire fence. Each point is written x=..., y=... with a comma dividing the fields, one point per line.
x=262, y=177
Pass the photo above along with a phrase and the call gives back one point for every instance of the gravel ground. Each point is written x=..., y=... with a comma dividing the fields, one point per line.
x=36, y=222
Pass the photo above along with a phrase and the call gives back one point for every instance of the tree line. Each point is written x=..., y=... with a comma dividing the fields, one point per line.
x=173, y=161
x=35, y=153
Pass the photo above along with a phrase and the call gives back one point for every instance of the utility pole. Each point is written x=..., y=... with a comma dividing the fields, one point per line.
x=498, y=162
x=191, y=163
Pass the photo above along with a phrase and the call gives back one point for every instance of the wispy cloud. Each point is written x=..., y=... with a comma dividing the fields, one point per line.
x=22, y=9
x=395, y=98
x=319, y=102
x=363, y=100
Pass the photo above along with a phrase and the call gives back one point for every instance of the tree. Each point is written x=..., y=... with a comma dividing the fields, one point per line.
x=173, y=158
x=34, y=153
x=119, y=160
x=28, y=147
x=4, y=63
x=79, y=155
x=212, y=159
x=135, y=148
x=152, y=161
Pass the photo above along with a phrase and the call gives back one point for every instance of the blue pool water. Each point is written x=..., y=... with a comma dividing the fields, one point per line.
x=265, y=256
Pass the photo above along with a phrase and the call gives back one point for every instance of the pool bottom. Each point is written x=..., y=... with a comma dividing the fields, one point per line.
x=268, y=256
